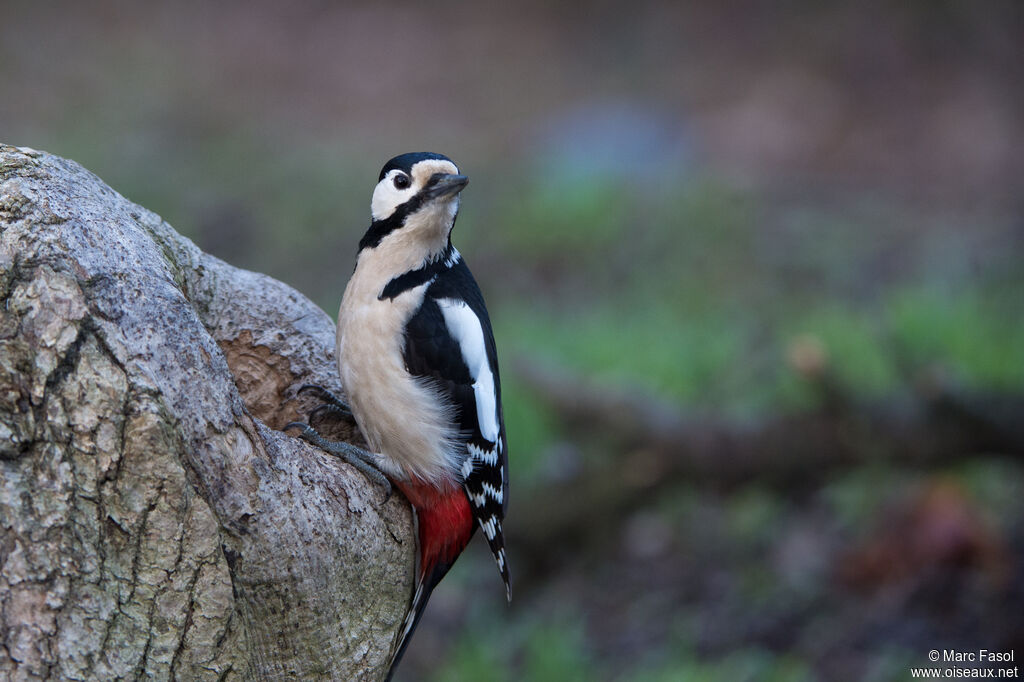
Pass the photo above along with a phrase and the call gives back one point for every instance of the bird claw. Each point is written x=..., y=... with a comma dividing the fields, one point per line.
x=361, y=459
x=333, y=409
x=331, y=401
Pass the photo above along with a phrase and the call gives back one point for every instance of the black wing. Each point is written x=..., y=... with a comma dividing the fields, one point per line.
x=434, y=351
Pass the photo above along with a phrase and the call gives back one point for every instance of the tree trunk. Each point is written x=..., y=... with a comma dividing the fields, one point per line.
x=154, y=522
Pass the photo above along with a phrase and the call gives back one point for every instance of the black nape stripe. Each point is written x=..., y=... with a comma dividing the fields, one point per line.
x=421, y=275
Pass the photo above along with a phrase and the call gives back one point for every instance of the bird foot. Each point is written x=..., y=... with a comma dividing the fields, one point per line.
x=332, y=403
x=364, y=460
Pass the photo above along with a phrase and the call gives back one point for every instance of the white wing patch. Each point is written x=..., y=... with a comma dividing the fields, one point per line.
x=464, y=326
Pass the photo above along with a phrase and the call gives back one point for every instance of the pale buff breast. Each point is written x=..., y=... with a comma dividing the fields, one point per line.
x=400, y=416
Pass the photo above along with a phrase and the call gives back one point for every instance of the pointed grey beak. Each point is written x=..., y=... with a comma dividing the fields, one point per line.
x=444, y=184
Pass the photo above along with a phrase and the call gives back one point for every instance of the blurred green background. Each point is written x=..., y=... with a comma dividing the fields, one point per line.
x=724, y=214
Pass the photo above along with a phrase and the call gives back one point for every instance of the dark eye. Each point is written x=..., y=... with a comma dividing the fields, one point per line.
x=401, y=181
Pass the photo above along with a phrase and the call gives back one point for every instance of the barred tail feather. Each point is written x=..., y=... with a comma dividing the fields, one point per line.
x=485, y=480
x=496, y=541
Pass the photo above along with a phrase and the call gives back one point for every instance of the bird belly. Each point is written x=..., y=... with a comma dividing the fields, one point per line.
x=402, y=417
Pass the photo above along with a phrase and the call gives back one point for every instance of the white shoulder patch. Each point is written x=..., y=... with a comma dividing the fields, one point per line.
x=464, y=326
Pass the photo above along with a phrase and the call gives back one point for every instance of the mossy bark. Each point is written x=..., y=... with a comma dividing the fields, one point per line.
x=154, y=524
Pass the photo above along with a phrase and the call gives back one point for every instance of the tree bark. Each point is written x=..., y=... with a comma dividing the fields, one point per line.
x=154, y=522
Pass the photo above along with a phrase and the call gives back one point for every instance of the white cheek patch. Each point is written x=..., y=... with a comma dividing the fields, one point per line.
x=464, y=326
x=387, y=197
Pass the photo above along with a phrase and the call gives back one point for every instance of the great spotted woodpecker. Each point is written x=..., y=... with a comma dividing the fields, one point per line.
x=417, y=359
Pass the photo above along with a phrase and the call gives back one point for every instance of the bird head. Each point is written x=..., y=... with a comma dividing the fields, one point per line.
x=416, y=199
